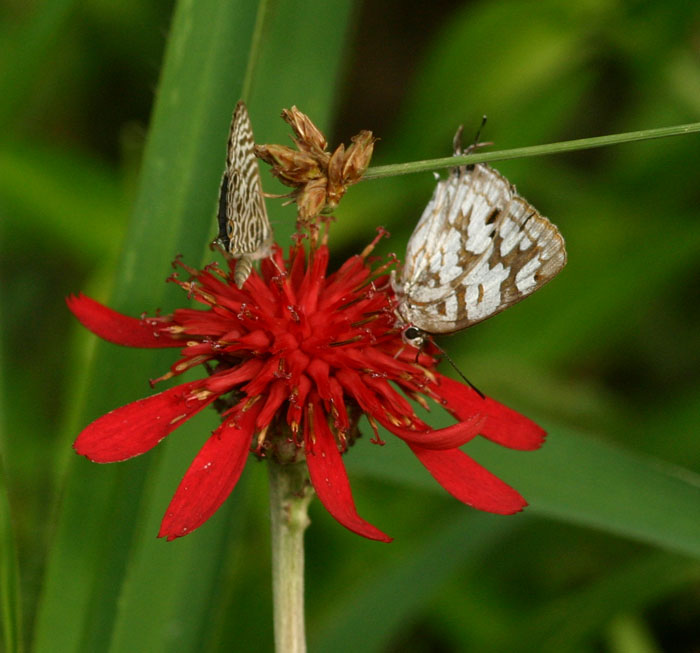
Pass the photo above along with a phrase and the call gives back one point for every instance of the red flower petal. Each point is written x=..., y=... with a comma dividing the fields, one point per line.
x=313, y=280
x=319, y=370
x=368, y=401
x=297, y=401
x=503, y=425
x=137, y=427
x=297, y=264
x=393, y=401
x=450, y=437
x=220, y=382
x=468, y=481
x=351, y=274
x=276, y=395
x=264, y=298
x=211, y=477
x=117, y=328
x=330, y=480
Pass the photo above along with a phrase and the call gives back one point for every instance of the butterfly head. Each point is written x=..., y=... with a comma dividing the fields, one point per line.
x=413, y=336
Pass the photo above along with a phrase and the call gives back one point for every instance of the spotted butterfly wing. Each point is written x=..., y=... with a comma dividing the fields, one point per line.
x=478, y=248
x=244, y=228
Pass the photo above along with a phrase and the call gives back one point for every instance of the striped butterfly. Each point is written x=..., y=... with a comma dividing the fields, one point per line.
x=478, y=248
x=244, y=228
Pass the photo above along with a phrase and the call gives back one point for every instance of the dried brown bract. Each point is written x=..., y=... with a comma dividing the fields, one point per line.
x=320, y=178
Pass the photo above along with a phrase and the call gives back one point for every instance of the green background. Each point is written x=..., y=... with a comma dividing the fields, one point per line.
x=113, y=122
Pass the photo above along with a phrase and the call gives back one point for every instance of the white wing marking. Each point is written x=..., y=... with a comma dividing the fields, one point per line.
x=525, y=278
x=484, y=281
x=478, y=248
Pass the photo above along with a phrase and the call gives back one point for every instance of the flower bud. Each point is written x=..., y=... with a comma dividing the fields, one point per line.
x=309, y=137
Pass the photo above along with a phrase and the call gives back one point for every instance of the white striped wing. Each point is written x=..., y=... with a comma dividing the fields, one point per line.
x=478, y=248
x=244, y=228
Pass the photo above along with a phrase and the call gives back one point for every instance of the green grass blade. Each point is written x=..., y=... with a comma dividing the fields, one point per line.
x=377, y=172
x=386, y=597
x=579, y=480
x=565, y=624
x=193, y=573
x=200, y=83
x=591, y=482
x=46, y=206
x=110, y=514
x=10, y=603
x=28, y=52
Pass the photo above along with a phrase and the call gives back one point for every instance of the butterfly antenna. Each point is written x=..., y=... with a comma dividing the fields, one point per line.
x=454, y=365
x=457, y=141
x=475, y=143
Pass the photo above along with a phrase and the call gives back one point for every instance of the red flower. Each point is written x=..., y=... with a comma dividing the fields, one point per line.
x=294, y=358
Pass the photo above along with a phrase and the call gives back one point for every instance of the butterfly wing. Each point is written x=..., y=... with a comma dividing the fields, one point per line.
x=478, y=248
x=244, y=228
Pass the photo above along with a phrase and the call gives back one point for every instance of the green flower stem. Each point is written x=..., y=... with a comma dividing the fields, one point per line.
x=535, y=150
x=290, y=494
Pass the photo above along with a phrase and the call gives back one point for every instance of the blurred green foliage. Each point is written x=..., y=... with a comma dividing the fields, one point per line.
x=607, y=357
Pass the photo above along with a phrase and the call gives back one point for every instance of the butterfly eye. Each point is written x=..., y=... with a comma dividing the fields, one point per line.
x=413, y=336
